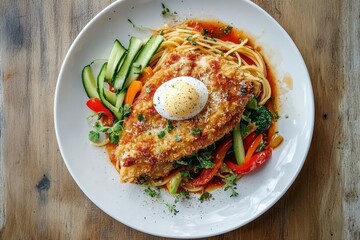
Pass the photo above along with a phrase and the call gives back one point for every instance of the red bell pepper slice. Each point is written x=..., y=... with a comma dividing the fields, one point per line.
x=254, y=145
x=218, y=157
x=249, y=140
x=96, y=105
x=255, y=161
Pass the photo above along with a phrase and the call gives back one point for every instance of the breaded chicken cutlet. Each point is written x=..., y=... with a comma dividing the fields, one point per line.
x=145, y=151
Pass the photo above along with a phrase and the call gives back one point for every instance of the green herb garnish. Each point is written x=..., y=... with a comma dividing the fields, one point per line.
x=230, y=183
x=156, y=195
x=205, y=196
x=166, y=11
x=243, y=90
x=177, y=138
x=152, y=193
x=139, y=27
x=196, y=131
x=181, y=196
x=114, y=132
x=161, y=134
x=227, y=30
x=141, y=117
x=195, y=162
x=125, y=110
x=169, y=126
x=94, y=136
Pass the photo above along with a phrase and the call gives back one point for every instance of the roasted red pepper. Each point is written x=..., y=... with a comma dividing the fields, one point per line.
x=218, y=157
x=96, y=105
x=255, y=161
x=249, y=140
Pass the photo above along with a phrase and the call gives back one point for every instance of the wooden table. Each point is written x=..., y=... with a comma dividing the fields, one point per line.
x=40, y=200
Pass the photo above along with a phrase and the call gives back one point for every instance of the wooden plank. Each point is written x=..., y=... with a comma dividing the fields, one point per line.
x=2, y=128
x=349, y=107
x=41, y=199
x=2, y=160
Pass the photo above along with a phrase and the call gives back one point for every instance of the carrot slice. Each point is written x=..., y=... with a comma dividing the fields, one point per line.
x=133, y=90
x=146, y=74
x=253, y=147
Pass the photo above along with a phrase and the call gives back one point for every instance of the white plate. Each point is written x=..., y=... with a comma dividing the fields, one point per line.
x=127, y=203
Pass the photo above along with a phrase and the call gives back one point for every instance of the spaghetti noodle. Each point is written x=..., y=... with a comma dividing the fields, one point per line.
x=186, y=38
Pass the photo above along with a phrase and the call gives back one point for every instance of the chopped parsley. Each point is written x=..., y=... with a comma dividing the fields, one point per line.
x=205, y=196
x=227, y=30
x=243, y=90
x=147, y=90
x=196, y=131
x=161, y=134
x=177, y=138
x=166, y=11
x=230, y=183
x=189, y=38
x=193, y=42
x=169, y=126
x=141, y=117
x=205, y=31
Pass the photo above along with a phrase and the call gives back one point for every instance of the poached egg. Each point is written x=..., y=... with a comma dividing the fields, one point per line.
x=180, y=98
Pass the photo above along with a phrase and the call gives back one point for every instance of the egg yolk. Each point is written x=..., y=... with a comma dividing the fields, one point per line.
x=180, y=99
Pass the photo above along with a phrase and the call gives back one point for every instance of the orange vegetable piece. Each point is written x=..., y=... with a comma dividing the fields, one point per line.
x=133, y=90
x=253, y=147
x=146, y=74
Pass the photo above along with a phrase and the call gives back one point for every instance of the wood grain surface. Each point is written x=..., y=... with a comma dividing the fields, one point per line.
x=40, y=200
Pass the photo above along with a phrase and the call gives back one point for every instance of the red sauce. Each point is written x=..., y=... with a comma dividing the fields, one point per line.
x=215, y=29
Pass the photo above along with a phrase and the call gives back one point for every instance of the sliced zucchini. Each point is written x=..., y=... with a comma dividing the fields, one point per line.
x=238, y=145
x=110, y=96
x=89, y=82
x=100, y=90
x=134, y=46
x=118, y=52
x=144, y=57
x=120, y=98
